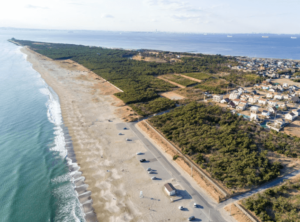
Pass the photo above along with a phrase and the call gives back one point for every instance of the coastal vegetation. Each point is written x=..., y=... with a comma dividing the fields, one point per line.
x=214, y=85
x=280, y=204
x=231, y=149
x=153, y=106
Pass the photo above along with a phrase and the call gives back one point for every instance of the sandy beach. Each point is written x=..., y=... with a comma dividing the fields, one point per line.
x=108, y=162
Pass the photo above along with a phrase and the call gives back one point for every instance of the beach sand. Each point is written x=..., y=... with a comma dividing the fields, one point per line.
x=108, y=162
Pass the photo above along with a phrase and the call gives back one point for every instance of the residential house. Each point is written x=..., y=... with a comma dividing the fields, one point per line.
x=269, y=95
x=295, y=99
x=296, y=112
x=234, y=95
x=231, y=104
x=272, y=110
x=254, y=109
x=285, y=85
x=236, y=101
x=241, y=107
x=278, y=96
x=253, y=99
x=265, y=113
x=286, y=96
x=279, y=123
x=225, y=100
x=253, y=117
x=281, y=104
x=273, y=90
x=272, y=103
x=217, y=98
x=244, y=103
x=262, y=101
x=290, y=116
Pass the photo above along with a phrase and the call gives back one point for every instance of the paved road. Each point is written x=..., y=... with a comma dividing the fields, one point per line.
x=206, y=212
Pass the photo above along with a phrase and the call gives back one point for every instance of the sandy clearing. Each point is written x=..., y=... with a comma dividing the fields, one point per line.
x=172, y=95
x=107, y=161
x=237, y=213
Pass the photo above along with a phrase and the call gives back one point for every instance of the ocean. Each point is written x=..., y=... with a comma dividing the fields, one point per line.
x=36, y=184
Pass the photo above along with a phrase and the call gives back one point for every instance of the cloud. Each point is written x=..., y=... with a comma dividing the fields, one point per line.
x=35, y=7
x=107, y=16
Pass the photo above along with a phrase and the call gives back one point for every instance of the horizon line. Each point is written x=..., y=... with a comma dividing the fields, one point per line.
x=94, y=30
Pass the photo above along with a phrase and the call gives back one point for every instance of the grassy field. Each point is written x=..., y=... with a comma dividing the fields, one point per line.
x=178, y=79
x=213, y=85
x=198, y=75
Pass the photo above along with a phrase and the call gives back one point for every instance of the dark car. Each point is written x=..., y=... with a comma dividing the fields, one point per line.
x=142, y=160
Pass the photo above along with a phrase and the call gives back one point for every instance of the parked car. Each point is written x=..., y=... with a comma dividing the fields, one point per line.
x=153, y=178
x=180, y=207
x=149, y=169
x=124, y=128
x=191, y=218
x=139, y=153
x=127, y=139
x=143, y=160
x=195, y=205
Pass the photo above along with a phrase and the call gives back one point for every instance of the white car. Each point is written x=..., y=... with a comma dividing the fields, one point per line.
x=139, y=153
x=195, y=205
x=153, y=178
x=180, y=207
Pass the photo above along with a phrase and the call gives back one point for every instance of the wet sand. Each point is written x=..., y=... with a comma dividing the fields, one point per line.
x=113, y=174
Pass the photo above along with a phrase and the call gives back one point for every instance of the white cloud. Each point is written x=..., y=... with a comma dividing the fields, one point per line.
x=107, y=16
x=35, y=7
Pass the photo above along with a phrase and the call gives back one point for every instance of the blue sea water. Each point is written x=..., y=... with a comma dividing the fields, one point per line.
x=35, y=183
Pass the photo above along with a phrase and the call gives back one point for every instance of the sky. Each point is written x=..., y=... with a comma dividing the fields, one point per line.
x=196, y=16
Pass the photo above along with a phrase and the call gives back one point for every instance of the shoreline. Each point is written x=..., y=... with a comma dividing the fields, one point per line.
x=112, y=174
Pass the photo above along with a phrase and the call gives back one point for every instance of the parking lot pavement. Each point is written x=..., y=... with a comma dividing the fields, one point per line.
x=157, y=169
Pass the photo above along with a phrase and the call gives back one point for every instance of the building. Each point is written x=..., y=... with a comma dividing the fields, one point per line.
x=265, y=113
x=281, y=104
x=217, y=98
x=231, y=104
x=241, y=107
x=236, y=101
x=286, y=96
x=170, y=190
x=225, y=100
x=234, y=95
x=278, y=96
x=270, y=95
x=290, y=116
x=272, y=110
x=295, y=99
x=272, y=103
x=263, y=101
x=296, y=112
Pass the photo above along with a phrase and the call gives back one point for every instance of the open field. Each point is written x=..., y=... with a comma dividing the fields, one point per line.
x=148, y=59
x=197, y=75
x=180, y=81
x=172, y=95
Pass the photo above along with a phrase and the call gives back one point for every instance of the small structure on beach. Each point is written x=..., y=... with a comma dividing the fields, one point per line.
x=171, y=191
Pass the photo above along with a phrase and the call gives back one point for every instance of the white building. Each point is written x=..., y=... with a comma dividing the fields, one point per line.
x=263, y=101
x=290, y=116
x=278, y=96
x=265, y=113
x=217, y=98
x=234, y=95
x=170, y=190
x=269, y=95
x=272, y=103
